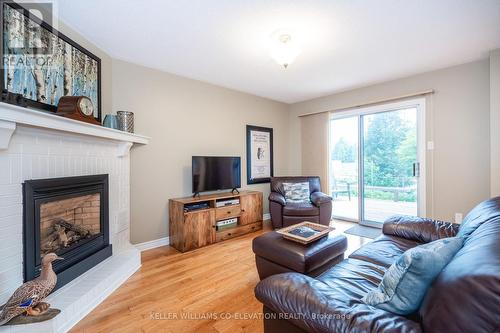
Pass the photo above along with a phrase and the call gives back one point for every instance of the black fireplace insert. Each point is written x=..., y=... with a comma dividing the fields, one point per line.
x=70, y=217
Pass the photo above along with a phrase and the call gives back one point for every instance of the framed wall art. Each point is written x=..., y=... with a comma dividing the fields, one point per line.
x=41, y=64
x=259, y=154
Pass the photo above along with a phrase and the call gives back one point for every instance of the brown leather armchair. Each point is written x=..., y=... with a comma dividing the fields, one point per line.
x=283, y=214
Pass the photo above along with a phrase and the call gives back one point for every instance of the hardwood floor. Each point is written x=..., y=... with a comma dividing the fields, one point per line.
x=205, y=290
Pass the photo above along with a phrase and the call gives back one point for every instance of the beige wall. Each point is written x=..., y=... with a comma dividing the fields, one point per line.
x=495, y=121
x=457, y=120
x=185, y=117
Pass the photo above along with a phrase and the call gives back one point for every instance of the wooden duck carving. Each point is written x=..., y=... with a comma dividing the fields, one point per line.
x=28, y=297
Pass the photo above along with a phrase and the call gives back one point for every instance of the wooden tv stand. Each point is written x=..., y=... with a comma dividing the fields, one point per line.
x=195, y=229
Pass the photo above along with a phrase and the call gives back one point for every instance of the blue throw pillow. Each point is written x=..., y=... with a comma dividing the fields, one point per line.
x=406, y=282
x=297, y=192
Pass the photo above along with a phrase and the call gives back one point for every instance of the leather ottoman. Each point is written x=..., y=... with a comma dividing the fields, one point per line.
x=275, y=255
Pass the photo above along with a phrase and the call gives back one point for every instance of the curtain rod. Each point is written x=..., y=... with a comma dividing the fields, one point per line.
x=353, y=106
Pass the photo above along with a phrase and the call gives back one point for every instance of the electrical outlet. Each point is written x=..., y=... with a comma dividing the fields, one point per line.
x=458, y=218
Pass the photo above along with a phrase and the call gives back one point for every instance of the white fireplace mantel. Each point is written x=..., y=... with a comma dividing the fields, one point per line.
x=42, y=145
x=11, y=116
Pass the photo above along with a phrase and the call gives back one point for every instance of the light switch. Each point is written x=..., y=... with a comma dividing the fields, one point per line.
x=430, y=145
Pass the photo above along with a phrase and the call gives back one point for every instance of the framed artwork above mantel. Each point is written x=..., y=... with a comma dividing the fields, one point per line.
x=259, y=154
x=40, y=65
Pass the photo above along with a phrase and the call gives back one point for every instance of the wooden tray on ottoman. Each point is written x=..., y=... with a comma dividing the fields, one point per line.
x=321, y=231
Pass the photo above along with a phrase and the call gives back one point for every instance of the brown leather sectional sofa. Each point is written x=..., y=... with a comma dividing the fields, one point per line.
x=465, y=297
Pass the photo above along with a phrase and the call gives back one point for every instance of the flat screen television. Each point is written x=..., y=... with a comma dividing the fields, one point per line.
x=212, y=173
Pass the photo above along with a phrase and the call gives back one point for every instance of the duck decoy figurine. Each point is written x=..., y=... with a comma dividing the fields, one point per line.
x=28, y=297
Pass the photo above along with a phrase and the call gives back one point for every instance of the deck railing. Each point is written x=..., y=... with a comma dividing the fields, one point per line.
x=349, y=189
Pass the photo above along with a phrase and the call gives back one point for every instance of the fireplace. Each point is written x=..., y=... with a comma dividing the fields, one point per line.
x=67, y=216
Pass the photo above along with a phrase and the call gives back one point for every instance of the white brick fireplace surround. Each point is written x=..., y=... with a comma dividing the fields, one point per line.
x=38, y=145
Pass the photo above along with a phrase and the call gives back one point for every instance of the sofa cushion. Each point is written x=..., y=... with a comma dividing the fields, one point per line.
x=486, y=211
x=351, y=279
x=296, y=192
x=300, y=209
x=384, y=250
x=405, y=283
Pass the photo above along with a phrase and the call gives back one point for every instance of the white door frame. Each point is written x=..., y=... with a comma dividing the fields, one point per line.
x=419, y=103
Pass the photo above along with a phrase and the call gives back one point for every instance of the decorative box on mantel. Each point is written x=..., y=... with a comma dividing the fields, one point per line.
x=37, y=145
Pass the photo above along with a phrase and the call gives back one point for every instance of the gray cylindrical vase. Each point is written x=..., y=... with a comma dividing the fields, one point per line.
x=125, y=121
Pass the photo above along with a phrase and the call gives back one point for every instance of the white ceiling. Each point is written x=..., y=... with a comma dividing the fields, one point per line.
x=345, y=43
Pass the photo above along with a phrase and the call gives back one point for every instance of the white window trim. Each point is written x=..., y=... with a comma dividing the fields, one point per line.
x=420, y=103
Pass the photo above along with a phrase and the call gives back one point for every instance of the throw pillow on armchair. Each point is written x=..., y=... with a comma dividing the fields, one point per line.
x=296, y=192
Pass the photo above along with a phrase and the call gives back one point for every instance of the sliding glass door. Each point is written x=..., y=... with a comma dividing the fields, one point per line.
x=389, y=164
x=376, y=162
x=344, y=170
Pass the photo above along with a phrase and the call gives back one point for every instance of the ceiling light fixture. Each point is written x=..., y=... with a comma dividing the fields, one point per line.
x=284, y=49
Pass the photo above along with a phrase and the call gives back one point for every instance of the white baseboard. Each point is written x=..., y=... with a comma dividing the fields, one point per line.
x=266, y=216
x=153, y=244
